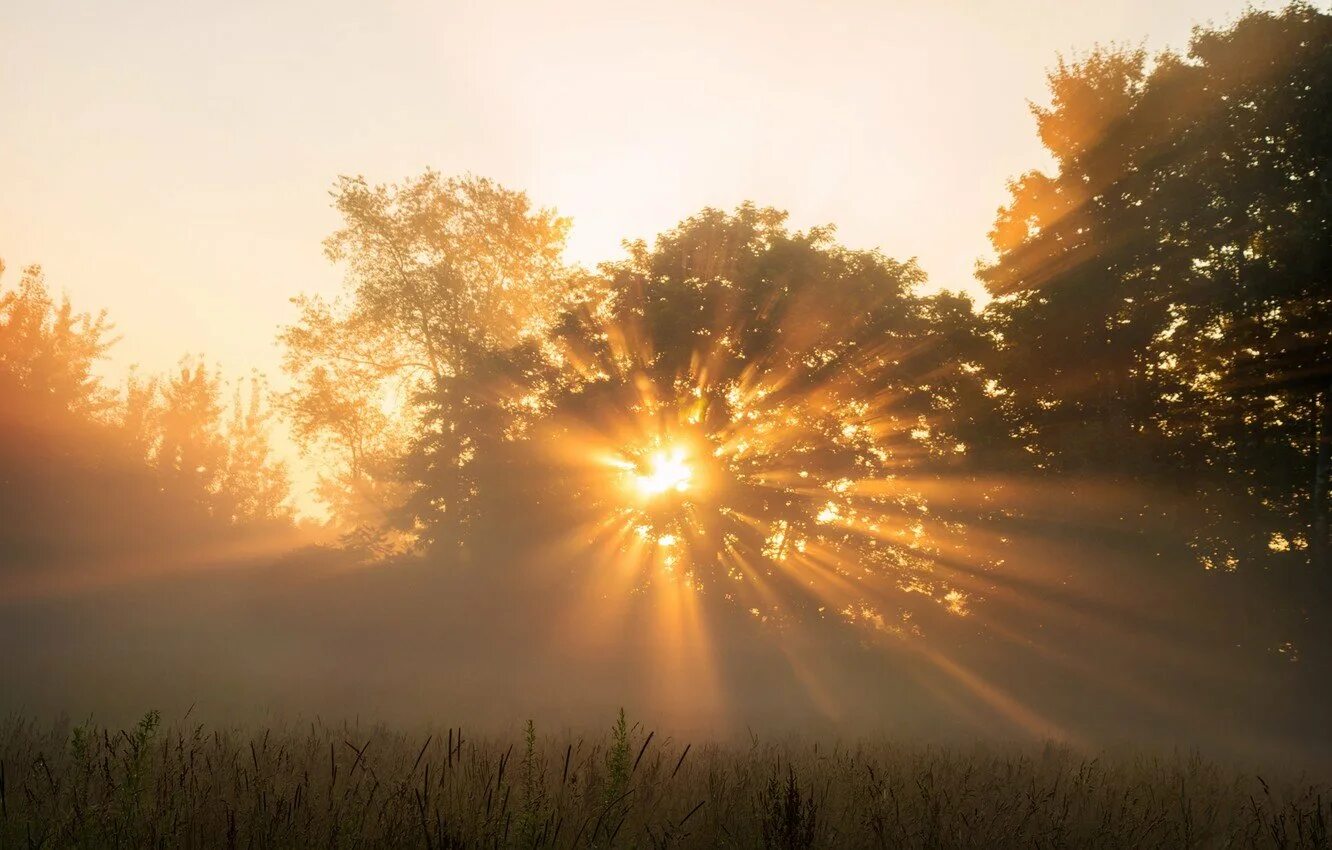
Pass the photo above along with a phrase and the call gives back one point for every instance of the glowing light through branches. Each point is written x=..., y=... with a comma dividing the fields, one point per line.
x=665, y=470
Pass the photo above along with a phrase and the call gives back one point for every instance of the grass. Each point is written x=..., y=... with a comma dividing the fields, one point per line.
x=344, y=786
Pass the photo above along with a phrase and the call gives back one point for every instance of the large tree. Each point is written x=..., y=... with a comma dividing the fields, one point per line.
x=1162, y=296
x=441, y=273
x=744, y=407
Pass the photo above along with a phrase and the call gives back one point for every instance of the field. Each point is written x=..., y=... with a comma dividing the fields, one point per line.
x=188, y=785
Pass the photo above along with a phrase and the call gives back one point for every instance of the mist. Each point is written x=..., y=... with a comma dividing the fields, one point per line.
x=743, y=485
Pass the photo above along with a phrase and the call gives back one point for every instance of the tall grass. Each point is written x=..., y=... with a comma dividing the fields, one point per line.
x=347, y=786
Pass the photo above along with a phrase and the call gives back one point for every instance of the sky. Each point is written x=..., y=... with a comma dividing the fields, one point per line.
x=170, y=161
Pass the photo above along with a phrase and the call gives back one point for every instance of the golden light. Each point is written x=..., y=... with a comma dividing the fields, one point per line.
x=663, y=471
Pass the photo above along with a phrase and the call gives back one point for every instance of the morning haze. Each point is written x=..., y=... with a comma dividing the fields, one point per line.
x=698, y=425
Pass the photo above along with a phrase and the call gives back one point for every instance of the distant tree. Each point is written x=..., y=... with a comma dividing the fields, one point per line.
x=1163, y=304
x=54, y=455
x=89, y=477
x=254, y=486
x=342, y=420
x=210, y=454
x=141, y=414
x=192, y=451
x=47, y=350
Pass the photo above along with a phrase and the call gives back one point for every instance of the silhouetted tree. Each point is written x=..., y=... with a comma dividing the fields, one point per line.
x=1162, y=297
x=810, y=392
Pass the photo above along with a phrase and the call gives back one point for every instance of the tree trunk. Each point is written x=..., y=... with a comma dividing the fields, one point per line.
x=1322, y=459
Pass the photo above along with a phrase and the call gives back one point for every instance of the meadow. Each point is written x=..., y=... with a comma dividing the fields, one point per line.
x=317, y=784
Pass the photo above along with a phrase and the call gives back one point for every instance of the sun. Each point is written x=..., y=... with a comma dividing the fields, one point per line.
x=663, y=471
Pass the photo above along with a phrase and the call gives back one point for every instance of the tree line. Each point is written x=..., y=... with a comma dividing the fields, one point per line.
x=97, y=473
x=1160, y=328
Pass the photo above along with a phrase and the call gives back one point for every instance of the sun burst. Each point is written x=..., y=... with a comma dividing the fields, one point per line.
x=663, y=471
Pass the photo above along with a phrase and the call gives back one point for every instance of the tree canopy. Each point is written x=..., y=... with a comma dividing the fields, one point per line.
x=760, y=412
x=1163, y=303
x=743, y=402
x=441, y=273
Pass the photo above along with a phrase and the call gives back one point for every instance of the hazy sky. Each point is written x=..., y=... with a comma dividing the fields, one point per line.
x=170, y=160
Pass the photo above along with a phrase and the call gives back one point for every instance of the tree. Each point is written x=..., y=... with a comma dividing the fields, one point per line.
x=191, y=452
x=90, y=479
x=746, y=407
x=254, y=487
x=54, y=454
x=213, y=456
x=441, y=273
x=1162, y=298
x=1073, y=317
x=47, y=350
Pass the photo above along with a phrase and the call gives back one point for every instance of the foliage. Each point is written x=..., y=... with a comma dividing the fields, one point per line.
x=440, y=272
x=1163, y=306
x=48, y=351
x=842, y=443
x=812, y=389
x=1161, y=322
x=91, y=474
x=253, y=485
x=190, y=452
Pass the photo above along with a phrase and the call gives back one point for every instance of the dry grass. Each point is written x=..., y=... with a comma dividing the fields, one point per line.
x=190, y=786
